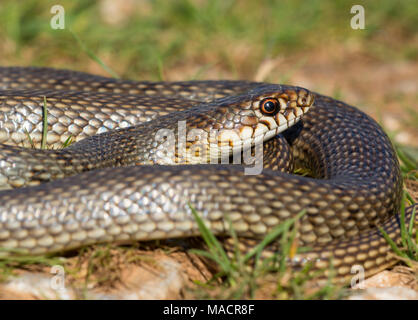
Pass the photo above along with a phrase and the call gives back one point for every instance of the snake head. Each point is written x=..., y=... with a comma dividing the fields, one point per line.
x=231, y=124
x=262, y=113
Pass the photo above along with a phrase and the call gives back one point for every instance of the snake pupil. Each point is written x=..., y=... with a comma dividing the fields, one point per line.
x=269, y=106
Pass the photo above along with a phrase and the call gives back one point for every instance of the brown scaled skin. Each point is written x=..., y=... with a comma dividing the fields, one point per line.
x=357, y=178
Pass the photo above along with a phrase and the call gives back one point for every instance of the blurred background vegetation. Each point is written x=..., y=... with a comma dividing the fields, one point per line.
x=307, y=43
x=146, y=38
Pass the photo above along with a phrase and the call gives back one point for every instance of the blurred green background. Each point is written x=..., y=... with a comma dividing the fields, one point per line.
x=144, y=38
x=307, y=43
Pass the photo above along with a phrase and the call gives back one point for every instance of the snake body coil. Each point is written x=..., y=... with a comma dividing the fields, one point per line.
x=116, y=186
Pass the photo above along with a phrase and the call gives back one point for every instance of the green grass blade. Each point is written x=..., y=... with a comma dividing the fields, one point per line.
x=214, y=245
x=392, y=244
x=210, y=256
x=409, y=198
x=237, y=251
x=93, y=56
x=67, y=142
x=412, y=221
x=160, y=69
x=273, y=235
x=412, y=246
x=408, y=162
x=402, y=218
x=44, y=124
x=32, y=144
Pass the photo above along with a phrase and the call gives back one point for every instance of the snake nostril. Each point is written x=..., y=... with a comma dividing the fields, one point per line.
x=302, y=101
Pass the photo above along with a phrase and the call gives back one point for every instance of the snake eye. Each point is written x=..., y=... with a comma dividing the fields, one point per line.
x=269, y=106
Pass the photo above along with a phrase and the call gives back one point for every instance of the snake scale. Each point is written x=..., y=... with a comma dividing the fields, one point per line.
x=118, y=183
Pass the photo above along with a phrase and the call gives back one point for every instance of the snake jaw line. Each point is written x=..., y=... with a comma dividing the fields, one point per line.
x=247, y=136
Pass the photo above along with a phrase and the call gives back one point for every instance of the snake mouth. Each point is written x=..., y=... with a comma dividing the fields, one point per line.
x=258, y=125
x=230, y=142
x=235, y=141
x=273, y=128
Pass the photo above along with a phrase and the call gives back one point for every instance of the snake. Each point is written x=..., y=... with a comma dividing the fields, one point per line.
x=144, y=154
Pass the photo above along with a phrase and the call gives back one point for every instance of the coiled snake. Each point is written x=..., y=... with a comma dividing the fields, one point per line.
x=130, y=184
